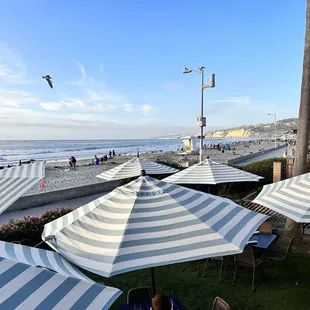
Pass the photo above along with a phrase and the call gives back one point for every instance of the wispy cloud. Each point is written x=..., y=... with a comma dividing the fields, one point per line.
x=235, y=100
x=76, y=104
x=128, y=107
x=146, y=109
x=14, y=98
x=12, y=68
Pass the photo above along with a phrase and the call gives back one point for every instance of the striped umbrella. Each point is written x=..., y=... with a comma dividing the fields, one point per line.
x=290, y=197
x=149, y=223
x=38, y=257
x=16, y=181
x=27, y=287
x=211, y=172
x=133, y=167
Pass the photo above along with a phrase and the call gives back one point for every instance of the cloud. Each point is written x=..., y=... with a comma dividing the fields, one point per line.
x=235, y=100
x=85, y=80
x=12, y=69
x=14, y=98
x=146, y=109
x=81, y=67
x=51, y=106
x=128, y=107
x=75, y=104
x=18, y=123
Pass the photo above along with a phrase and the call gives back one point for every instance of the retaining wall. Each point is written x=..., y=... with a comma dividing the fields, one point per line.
x=242, y=158
x=37, y=200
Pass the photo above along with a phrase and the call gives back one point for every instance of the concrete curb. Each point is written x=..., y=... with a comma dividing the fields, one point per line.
x=37, y=200
x=242, y=158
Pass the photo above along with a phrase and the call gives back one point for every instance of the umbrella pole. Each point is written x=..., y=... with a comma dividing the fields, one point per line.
x=153, y=281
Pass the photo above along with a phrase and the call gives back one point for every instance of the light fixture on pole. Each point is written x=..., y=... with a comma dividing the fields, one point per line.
x=275, y=129
x=201, y=120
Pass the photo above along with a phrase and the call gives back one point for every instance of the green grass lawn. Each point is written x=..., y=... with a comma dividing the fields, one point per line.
x=197, y=292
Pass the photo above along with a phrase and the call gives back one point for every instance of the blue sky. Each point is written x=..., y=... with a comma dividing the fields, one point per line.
x=117, y=66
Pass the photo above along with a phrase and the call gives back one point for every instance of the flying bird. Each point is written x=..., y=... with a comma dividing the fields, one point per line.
x=49, y=80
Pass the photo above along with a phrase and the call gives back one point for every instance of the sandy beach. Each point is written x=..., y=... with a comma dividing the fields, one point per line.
x=58, y=176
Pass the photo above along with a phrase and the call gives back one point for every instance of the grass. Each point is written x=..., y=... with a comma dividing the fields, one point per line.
x=197, y=292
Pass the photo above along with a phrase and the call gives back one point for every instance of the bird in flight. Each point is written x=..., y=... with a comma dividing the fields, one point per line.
x=49, y=80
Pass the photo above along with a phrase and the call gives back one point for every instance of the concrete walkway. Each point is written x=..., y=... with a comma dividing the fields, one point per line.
x=72, y=203
x=276, y=153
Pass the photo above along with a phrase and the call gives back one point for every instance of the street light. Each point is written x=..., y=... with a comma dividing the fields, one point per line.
x=201, y=120
x=275, y=129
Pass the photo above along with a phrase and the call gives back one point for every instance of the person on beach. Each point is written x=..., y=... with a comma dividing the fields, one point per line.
x=161, y=302
x=113, y=153
x=72, y=162
x=96, y=160
x=110, y=154
x=285, y=154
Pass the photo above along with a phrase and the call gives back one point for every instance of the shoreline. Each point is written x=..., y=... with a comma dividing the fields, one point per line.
x=58, y=176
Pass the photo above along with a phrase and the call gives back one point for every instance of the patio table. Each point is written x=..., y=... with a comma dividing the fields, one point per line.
x=177, y=304
x=263, y=240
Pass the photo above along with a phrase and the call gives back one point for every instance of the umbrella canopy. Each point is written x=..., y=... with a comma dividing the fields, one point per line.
x=149, y=223
x=210, y=172
x=38, y=257
x=27, y=287
x=290, y=197
x=133, y=167
x=16, y=181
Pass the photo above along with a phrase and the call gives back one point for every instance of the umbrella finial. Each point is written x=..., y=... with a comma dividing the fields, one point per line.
x=143, y=173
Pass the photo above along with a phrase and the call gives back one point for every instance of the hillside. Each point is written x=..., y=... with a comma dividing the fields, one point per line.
x=266, y=130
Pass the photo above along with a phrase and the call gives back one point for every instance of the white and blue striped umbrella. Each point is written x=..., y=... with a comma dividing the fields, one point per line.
x=211, y=172
x=148, y=223
x=38, y=257
x=290, y=197
x=27, y=287
x=133, y=167
x=16, y=181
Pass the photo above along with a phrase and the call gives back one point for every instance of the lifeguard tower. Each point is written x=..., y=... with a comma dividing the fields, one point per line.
x=190, y=145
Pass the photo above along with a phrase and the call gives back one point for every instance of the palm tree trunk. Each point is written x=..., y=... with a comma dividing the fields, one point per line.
x=302, y=142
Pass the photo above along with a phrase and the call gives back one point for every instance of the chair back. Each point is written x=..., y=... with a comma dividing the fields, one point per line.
x=139, y=294
x=265, y=228
x=289, y=247
x=220, y=304
x=246, y=258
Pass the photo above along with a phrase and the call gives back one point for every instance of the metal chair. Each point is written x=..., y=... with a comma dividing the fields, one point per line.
x=265, y=228
x=220, y=259
x=220, y=304
x=247, y=259
x=283, y=255
x=139, y=294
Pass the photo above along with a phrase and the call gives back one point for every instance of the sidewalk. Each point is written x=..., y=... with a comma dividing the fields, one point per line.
x=72, y=203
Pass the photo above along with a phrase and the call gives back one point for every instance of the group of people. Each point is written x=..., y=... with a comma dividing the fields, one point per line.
x=96, y=160
x=286, y=155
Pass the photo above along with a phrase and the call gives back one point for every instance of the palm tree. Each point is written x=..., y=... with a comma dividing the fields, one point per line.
x=302, y=142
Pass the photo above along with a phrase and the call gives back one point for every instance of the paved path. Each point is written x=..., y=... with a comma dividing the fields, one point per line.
x=72, y=203
x=276, y=153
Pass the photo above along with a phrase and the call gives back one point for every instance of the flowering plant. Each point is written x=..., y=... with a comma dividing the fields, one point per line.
x=29, y=228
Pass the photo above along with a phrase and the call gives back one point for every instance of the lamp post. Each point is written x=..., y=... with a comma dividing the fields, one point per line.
x=201, y=120
x=275, y=129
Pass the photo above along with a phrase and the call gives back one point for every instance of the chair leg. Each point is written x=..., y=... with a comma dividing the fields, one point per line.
x=221, y=269
x=205, y=268
x=262, y=272
x=253, y=280
x=296, y=270
x=286, y=265
x=234, y=278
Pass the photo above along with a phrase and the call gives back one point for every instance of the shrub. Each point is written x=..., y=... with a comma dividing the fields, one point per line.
x=29, y=228
x=263, y=168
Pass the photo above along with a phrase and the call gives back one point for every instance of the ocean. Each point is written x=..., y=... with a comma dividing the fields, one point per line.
x=11, y=151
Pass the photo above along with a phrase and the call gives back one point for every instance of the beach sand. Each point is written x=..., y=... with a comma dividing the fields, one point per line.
x=59, y=177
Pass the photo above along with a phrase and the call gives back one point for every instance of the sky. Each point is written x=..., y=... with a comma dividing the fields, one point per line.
x=117, y=66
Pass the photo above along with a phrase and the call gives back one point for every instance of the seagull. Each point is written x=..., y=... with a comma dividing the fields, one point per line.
x=49, y=80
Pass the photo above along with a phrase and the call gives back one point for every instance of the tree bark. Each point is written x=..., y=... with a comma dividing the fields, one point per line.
x=302, y=141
